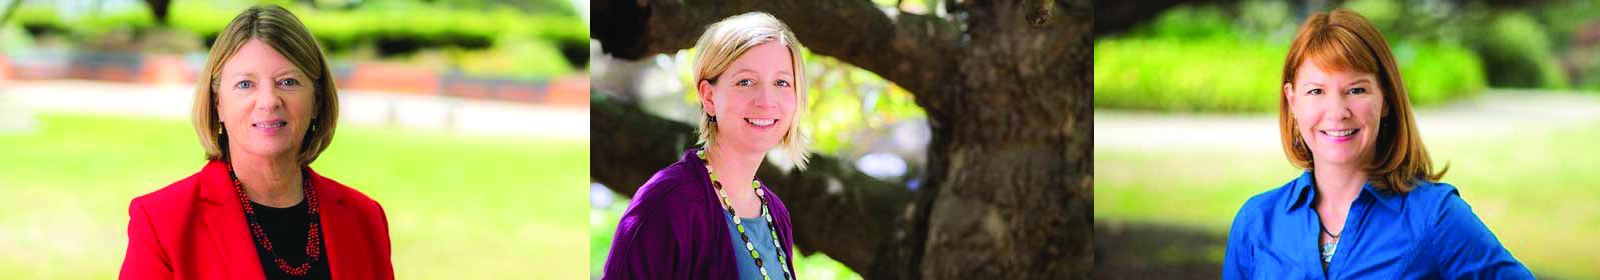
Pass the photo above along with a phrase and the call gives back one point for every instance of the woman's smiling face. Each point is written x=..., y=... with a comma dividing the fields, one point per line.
x=754, y=100
x=264, y=101
x=1337, y=113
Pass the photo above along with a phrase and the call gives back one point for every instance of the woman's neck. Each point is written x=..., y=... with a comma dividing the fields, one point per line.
x=736, y=170
x=272, y=182
x=1337, y=186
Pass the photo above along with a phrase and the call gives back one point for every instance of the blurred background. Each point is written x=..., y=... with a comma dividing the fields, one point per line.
x=1507, y=94
x=467, y=119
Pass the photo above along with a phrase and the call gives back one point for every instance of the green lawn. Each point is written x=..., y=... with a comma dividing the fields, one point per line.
x=1535, y=188
x=458, y=206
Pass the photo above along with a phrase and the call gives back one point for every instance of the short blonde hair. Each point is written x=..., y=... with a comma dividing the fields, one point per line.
x=283, y=31
x=1344, y=40
x=726, y=40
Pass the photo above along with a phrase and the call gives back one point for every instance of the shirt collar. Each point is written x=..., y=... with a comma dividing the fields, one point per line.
x=1303, y=193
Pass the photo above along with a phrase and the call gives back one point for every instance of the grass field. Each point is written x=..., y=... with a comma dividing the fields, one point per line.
x=459, y=207
x=1536, y=188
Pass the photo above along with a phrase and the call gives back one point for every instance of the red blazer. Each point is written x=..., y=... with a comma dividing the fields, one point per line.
x=195, y=229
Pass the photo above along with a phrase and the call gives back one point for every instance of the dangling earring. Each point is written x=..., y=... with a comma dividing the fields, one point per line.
x=1299, y=142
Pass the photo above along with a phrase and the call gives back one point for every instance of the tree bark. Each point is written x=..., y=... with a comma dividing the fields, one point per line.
x=1006, y=86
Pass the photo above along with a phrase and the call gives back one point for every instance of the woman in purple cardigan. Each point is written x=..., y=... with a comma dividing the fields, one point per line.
x=707, y=216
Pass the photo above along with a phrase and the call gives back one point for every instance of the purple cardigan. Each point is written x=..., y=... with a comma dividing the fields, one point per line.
x=675, y=229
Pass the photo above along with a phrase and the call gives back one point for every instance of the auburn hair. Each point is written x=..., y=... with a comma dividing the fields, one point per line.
x=1343, y=40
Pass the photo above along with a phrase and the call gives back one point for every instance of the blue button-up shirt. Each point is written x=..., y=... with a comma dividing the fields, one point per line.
x=1423, y=234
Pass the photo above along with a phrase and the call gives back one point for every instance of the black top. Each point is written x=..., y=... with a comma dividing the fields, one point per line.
x=286, y=228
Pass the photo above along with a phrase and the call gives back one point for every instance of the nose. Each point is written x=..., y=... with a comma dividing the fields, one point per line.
x=766, y=97
x=268, y=99
x=1338, y=108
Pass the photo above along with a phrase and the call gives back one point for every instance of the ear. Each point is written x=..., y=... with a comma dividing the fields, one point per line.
x=1289, y=96
x=706, y=104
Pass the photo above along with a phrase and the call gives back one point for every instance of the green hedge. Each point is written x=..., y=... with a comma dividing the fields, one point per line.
x=410, y=26
x=1232, y=75
x=1519, y=53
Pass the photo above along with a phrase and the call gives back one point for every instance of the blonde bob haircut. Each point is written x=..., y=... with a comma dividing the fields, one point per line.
x=1345, y=41
x=283, y=31
x=726, y=40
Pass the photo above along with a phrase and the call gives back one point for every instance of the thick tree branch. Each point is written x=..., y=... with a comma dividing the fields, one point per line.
x=909, y=49
x=835, y=209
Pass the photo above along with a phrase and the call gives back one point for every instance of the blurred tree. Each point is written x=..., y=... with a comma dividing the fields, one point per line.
x=1006, y=87
x=158, y=10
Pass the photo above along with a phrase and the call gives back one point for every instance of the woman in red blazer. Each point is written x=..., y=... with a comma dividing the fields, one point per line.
x=264, y=109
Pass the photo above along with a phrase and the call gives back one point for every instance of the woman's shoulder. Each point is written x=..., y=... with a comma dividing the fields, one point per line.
x=675, y=185
x=1276, y=198
x=1432, y=199
x=1256, y=212
x=666, y=207
x=181, y=193
x=671, y=193
x=350, y=195
x=672, y=187
x=1427, y=190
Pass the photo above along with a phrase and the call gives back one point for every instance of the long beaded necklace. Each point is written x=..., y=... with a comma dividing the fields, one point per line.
x=771, y=226
x=313, y=236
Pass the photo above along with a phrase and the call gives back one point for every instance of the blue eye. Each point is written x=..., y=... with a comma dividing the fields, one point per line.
x=782, y=83
x=290, y=82
x=246, y=84
x=745, y=83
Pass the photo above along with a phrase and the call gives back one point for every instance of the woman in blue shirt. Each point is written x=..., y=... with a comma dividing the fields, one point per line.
x=1369, y=203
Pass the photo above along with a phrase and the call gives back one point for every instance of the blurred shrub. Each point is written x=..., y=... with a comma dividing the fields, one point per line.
x=1232, y=75
x=401, y=27
x=1176, y=75
x=1187, y=23
x=394, y=28
x=1435, y=73
x=481, y=38
x=1567, y=23
x=1518, y=53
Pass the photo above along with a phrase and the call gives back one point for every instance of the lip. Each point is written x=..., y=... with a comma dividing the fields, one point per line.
x=761, y=123
x=269, y=127
x=1330, y=134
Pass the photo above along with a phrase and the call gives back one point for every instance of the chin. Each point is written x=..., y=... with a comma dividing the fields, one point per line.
x=267, y=148
x=761, y=145
x=1338, y=158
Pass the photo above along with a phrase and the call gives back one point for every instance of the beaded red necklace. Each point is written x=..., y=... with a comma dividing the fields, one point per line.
x=313, y=238
x=771, y=225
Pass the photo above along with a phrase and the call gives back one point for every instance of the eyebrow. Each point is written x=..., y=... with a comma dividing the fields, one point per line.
x=279, y=73
x=1361, y=80
x=743, y=70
